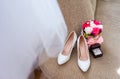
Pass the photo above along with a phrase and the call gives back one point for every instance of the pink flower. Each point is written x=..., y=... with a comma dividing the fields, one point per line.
x=86, y=24
x=92, y=27
x=100, y=26
x=97, y=22
x=96, y=31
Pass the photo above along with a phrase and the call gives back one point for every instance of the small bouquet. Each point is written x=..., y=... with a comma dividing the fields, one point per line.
x=92, y=30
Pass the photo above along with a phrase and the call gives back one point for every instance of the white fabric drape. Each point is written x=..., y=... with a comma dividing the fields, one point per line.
x=28, y=29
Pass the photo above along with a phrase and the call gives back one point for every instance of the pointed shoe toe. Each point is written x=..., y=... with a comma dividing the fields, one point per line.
x=83, y=54
x=65, y=54
x=62, y=59
x=84, y=65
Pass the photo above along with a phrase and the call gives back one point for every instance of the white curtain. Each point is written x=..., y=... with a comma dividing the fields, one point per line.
x=29, y=29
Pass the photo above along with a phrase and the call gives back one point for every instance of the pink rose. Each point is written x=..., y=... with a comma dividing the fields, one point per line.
x=96, y=31
x=97, y=22
x=86, y=24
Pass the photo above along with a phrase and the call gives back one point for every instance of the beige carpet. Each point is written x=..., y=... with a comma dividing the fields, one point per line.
x=106, y=67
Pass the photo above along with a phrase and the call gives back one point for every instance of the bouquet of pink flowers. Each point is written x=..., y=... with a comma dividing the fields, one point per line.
x=92, y=31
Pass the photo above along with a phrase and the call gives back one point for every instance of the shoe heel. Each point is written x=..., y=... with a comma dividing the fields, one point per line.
x=74, y=45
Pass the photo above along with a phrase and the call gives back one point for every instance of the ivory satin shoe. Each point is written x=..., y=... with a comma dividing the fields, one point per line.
x=83, y=54
x=65, y=54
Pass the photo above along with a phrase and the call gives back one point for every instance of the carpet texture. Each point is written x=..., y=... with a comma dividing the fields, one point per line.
x=76, y=12
x=106, y=67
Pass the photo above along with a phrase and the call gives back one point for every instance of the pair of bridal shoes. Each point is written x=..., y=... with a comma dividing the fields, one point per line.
x=83, y=58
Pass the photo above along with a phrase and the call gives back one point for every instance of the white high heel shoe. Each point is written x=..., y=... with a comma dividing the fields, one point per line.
x=83, y=54
x=64, y=56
